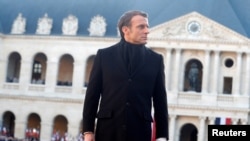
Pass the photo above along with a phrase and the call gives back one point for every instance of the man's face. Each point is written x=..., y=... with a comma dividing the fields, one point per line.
x=138, y=31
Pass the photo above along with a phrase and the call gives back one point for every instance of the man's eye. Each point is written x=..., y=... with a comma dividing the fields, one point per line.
x=142, y=26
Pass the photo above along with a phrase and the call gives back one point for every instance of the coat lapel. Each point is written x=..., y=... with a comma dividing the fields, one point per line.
x=120, y=61
x=140, y=65
x=140, y=59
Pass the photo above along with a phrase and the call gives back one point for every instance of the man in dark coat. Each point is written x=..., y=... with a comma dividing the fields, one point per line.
x=126, y=81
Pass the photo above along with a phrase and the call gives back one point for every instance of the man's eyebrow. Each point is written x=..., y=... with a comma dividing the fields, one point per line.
x=143, y=25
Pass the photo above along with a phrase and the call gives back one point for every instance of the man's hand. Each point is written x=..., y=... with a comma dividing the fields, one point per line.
x=88, y=136
x=161, y=139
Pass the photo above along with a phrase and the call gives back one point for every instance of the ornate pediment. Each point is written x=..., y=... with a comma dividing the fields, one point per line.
x=194, y=26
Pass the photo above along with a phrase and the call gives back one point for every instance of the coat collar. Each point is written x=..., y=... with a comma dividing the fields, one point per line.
x=131, y=57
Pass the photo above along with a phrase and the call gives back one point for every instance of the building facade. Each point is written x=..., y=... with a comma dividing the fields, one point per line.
x=44, y=77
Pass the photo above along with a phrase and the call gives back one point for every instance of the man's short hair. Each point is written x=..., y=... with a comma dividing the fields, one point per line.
x=125, y=19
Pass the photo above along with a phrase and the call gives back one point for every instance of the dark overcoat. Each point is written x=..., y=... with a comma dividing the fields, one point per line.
x=123, y=102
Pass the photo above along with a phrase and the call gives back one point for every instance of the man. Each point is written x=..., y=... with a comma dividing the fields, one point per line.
x=126, y=79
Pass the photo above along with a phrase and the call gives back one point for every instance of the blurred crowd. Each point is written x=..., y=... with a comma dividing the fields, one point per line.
x=33, y=134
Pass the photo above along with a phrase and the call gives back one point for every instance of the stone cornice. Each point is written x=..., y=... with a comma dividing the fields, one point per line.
x=179, y=41
x=61, y=37
x=207, y=108
x=42, y=98
x=115, y=39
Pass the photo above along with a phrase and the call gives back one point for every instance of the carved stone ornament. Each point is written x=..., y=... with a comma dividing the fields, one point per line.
x=97, y=26
x=44, y=25
x=70, y=25
x=194, y=27
x=18, y=26
x=174, y=30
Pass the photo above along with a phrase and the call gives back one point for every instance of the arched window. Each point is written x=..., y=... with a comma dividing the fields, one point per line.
x=8, y=125
x=39, y=69
x=188, y=131
x=65, y=71
x=60, y=127
x=88, y=69
x=33, y=127
x=13, y=69
x=193, y=76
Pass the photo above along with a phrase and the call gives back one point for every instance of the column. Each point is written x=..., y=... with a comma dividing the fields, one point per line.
x=211, y=120
x=20, y=127
x=216, y=71
x=3, y=63
x=201, y=135
x=46, y=131
x=25, y=75
x=51, y=75
x=172, y=127
x=206, y=69
x=3, y=74
x=168, y=69
x=237, y=80
x=247, y=77
x=78, y=77
x=73, y=130
x=175, y=78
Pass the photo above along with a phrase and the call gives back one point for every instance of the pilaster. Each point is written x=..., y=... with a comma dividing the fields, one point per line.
x=167, y=69
x=206, y=69
x=216, y=71
x=237, y=82
x=25, y=75
x=46, y=131
x=201, y=133
x=172, y=127
x=175, y=78
x=247, y=77
x=78, y=77
x=51, y=76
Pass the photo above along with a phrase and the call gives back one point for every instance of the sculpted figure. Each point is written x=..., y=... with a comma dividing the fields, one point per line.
x=97, y=26
x=44, y=25
x=18, y=26
x=70, y=25
x=193, y=76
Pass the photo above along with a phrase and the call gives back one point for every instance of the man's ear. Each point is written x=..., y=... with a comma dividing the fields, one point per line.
x=124, y=29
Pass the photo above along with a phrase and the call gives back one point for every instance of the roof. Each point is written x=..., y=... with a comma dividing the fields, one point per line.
x=233, y=14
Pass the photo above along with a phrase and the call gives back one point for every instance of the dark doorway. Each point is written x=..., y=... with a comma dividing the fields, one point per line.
x=188, y=133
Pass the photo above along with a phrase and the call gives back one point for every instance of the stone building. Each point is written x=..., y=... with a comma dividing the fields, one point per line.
x=47, y=51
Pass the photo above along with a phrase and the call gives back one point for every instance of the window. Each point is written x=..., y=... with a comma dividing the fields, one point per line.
x=227, y=87
x=229, y=63
x=36, y=72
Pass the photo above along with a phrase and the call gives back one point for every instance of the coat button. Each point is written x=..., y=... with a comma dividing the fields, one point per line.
x=129, y=80
x=127, y=104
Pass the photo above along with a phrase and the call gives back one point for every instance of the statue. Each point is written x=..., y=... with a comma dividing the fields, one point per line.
x=97, y=26
x=44, y=25
x=70, y=25
x=193, y=76
x=19, y=24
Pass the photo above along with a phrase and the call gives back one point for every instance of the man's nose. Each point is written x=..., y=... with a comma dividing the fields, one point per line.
x=146, y=30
